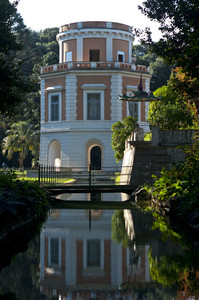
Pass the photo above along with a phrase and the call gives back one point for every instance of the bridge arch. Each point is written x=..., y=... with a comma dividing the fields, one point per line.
x=54, y=154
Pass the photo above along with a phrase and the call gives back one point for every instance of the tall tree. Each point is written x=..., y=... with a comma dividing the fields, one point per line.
x=158, y=68
x=161, y=72
x=12, y=82
x=178, y=21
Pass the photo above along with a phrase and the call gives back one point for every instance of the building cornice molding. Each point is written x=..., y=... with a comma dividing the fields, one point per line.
x=91, y=33
x=105, y=72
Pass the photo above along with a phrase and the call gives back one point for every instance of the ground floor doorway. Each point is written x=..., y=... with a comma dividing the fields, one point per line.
x=96, y=158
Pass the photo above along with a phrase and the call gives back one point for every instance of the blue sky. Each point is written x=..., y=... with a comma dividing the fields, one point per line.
x=41, y=14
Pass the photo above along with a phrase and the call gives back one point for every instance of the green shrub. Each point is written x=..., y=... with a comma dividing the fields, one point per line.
x=182, y=180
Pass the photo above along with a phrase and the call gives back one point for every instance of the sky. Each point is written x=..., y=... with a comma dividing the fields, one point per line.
x=41, y=14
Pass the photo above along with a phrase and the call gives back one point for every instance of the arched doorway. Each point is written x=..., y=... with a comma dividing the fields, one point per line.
x=96, y=158
x=54, y=154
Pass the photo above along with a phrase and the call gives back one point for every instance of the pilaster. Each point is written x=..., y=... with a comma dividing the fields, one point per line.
x=116, y=104
x=130, y=52
x=71, y=97
x=109, y=48
x=43, y=101
x=79, y=48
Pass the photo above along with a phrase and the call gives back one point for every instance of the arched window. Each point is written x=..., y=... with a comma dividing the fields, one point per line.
x=54, y=154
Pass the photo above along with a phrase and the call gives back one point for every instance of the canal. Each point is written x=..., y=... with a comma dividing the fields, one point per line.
x=87, y=254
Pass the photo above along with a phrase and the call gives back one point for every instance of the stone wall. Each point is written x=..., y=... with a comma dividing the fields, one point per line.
x=148, y=158
x=172, y=137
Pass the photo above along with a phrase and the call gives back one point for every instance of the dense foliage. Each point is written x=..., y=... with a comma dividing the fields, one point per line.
x=13, y=84
x=178, y=21
x=22, y=138
x=186, y=87
x=181, y=182
x=121, y=130
x=19, y=201
x=22, y=53
x=174, y=110
x=12, y=188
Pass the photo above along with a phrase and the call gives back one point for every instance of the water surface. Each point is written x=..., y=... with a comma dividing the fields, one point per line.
x=86, y=254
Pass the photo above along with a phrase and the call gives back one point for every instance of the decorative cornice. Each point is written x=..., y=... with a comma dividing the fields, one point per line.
x=95, y=33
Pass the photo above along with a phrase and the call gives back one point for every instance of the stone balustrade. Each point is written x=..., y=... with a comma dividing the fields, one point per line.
x=172, y=137
x=94, y=65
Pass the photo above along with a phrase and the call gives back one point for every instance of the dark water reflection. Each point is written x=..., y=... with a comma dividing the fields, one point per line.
x=115, y=255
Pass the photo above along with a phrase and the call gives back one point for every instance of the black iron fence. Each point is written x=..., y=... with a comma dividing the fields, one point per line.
x=83, y=176
x=138, y=174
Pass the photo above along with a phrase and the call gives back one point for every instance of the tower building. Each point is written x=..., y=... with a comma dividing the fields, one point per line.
x=79, y=95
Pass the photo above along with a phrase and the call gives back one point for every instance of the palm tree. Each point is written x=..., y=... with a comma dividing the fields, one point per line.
x=20, y=138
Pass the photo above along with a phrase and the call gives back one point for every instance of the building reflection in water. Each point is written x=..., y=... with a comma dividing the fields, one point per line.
x=78, y=263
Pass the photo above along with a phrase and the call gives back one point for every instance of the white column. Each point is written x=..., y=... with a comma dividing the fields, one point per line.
x=79, y=48
x=109, y=48
x=60, y=52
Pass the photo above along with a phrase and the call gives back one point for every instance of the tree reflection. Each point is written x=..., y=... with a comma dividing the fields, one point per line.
x=173, y=263
x=179, y=269
x=119, y=232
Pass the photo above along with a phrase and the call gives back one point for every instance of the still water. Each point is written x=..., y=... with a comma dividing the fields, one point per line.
x=87, y=254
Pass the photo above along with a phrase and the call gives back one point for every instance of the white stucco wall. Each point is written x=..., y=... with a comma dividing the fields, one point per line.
x=74, y=147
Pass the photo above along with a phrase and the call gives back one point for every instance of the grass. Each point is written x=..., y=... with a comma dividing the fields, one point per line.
x=117, y=179
x=148, y=137
x=33, y=179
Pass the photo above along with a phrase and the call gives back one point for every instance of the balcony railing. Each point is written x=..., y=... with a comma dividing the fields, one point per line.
x=75, y=65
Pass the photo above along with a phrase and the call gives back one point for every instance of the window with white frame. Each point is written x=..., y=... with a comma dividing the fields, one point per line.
x=68, y=56
x=54, y=107
x=120, y=56
x=93, y=105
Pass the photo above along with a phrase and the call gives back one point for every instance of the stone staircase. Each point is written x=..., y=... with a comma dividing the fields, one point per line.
x=97, y=177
